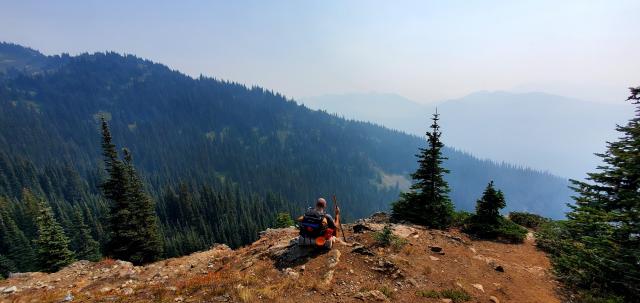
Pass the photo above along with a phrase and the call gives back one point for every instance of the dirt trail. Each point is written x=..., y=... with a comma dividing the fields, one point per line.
x=272, y=270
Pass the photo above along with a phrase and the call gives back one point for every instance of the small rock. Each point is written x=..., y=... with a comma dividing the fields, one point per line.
x=372, y=295
x=105, y=289
x=10, y=290
x=472, y=249
x=171, y=288
x=413, y=282
x=291, y=273
x=499, y=268
x=178, y=299
x=434, y=258
x=303, y=267
x=127, y=291
x=223, y=298
x=68, y=297
x=494, y=299
x=436, y=249
x=478, y=287
x=360, y=228
x=362, y=250
x=446, y=300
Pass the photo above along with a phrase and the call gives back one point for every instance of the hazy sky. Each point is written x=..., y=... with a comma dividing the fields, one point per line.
x=424, y=50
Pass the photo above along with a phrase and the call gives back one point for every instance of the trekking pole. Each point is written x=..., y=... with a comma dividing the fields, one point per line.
x=335, y=203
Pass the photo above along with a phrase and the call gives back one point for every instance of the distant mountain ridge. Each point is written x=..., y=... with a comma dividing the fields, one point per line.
x=205, y=130
x=543, y=131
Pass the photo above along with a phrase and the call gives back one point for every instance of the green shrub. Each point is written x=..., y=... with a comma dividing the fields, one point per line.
x=386, y=238
x=503, y=230
x=552, y=236
x=388, y=292
x=460, y=218
x=456, y=295
x=428, y=294
x=283, y=220
x=594, y=298
x=529, y=220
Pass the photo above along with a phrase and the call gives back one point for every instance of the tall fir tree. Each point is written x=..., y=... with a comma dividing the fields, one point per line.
x=14, y=243
x=148, y=244
x=7, y=266
x=52, y=244
x=603, y=253
x=83, y=243
x=489, y=205
x=134, y=233
x=428, y=202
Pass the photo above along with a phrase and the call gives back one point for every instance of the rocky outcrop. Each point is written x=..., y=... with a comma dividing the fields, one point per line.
x=276, y=269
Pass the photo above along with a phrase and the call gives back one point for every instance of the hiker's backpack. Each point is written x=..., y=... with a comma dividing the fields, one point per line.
x=311, y=225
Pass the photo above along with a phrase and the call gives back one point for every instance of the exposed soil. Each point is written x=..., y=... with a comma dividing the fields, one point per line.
x=270, y=270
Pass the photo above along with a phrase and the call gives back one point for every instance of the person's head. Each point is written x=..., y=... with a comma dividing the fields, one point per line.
x=321, y=203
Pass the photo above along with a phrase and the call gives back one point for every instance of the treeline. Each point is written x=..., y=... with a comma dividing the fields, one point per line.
x=190, y=218
x=596, y=251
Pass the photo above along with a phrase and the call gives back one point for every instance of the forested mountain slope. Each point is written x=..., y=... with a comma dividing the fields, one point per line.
x=220, y=158
x=539, y=130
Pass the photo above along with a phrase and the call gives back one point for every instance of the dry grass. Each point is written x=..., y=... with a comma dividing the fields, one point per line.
x=107, y=262
x=245, y=294
x=49, y=296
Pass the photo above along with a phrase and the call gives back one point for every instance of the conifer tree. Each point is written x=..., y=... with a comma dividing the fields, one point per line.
x=52, y=244
x=603, y=253
x=428, y=202
x=487, y=222
x=283, y=220
x=16, y=245
x=7, y=266
x=83, y=243
x=488, y=207
x=134, y=232
x=148, y=242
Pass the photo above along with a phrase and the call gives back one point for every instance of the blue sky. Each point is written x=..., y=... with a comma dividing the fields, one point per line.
x=424, y=50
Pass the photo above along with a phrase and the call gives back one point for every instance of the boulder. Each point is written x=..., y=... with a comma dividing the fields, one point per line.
x=371, y=295
x=380, y=217
x=291, y=254
x=360, y=228
x=478, y=287
x=493, y=299
x=360, y=249
x=10, y=290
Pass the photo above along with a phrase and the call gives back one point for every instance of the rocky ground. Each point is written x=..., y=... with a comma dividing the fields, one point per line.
x=273, y=270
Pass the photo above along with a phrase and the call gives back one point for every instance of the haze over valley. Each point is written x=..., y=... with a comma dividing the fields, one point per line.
x=538, y=130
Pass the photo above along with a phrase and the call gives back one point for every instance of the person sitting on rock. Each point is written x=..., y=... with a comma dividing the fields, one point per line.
x=317, y=228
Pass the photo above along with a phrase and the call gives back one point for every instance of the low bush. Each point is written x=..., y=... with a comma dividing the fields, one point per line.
x=552, y=236
x=455, y=295
x=386, y=238
x=528, y=220
x=502, y=230
x=460, y=218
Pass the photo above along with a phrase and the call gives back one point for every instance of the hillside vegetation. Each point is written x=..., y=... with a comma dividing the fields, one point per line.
x=220, y=160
